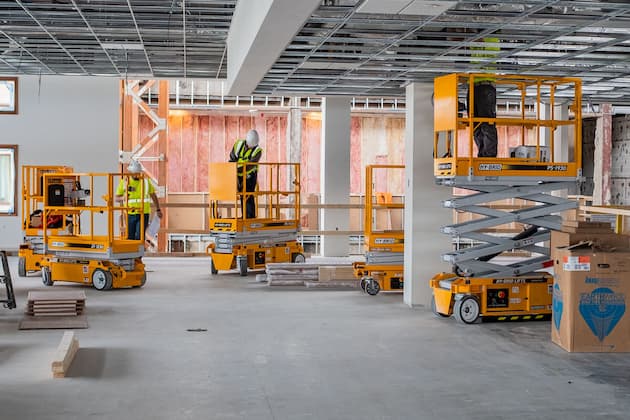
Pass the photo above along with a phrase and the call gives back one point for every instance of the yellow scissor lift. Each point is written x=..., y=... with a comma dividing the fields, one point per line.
x=270, y=237
x=93, y=249
x=383, y=266
x=478, y=287
x=31, y=252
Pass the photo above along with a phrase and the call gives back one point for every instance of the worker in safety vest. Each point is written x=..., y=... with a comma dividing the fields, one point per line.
x=244, y=152
x=133, y=188
x=485, y=98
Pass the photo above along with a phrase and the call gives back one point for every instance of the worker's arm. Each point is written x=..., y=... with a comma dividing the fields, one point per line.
x=156, y=203
x=233, y=157
x=255, y=157
x=119, y=196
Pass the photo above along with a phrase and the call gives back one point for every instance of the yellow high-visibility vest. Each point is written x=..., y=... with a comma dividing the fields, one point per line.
x=134, y=199
x=245, y=156
x=489, y=50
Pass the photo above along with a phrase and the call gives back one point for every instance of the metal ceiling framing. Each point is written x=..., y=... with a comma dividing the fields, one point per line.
x=115, y=37
x=378, y=54
x=340, y=50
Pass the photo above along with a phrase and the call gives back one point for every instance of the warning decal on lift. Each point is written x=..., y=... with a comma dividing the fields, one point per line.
x=576, y=263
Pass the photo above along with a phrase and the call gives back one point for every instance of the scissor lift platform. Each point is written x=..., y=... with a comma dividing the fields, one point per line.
x=271, y=236
x=94, y=250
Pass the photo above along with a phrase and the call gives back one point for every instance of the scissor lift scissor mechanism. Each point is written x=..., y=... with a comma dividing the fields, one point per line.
x=479, y=286
x=271, y=236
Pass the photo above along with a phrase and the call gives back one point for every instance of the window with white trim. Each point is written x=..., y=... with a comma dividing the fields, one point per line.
x=8, y=180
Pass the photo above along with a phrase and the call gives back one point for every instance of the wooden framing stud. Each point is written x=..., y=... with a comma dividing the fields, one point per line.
x=64, y=356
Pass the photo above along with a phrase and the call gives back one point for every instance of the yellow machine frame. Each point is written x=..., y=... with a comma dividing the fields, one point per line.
x=79, y=253
x=29, y=257
x=526, y=296
x=375, y=276
x=269, y=237
x=521, y=298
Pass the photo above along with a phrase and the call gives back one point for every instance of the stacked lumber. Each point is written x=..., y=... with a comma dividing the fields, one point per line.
x=64, y=356
x=55, y=303
x=291, y=274
x=54, y=309
x=310, y=275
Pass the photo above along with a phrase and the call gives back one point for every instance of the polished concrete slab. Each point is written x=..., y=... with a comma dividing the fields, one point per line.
x=192, y=346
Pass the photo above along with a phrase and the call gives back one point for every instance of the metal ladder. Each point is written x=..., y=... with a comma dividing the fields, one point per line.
x=5, y=278
x=540, y=217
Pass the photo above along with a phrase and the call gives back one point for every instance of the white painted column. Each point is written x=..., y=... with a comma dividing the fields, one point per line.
x=563, y=146
x=424, y=214
x=335, y=173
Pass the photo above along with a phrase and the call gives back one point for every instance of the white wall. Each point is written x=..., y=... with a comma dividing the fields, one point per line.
x=69, y=121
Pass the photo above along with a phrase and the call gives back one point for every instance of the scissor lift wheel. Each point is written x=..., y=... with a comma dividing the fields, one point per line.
x=298, y=258
x=372, y=287
x=101, y=279
x=46, y=276
x=22, y=267
x=242, y=265
x=467, y=310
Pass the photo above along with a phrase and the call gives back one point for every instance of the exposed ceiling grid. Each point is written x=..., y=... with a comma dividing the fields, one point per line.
x=347, y=47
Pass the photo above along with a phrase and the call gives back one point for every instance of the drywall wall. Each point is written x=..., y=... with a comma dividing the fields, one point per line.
x=62, y=121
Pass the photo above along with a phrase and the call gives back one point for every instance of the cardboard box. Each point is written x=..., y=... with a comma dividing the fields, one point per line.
x=333, y=273
x=606, y=239
x=590, y=298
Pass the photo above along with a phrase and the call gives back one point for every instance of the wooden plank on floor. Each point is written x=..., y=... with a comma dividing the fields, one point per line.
x=29, y=322
x=56, y=295
x=64, y=356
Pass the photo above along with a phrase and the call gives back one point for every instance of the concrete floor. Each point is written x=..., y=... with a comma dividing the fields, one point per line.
x=293, y=354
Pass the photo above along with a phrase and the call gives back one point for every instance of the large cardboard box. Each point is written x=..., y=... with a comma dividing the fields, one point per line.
x=606, y=238
x=334, y=273
x=590, y=299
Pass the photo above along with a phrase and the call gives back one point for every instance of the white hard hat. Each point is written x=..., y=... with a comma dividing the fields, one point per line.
x=252, y=138
x=134, y=167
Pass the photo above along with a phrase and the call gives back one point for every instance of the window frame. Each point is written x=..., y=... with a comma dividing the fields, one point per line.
x=15, y=180
x=16, y=96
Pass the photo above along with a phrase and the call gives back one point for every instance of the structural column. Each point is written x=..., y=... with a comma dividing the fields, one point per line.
x=335, y=173
x=603, y=161
x=424, y=214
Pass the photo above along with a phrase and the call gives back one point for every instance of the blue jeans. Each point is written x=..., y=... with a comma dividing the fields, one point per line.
x=133, y=225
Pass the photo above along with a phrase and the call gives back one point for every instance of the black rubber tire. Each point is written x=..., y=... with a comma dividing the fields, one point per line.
x=46, y=276
x=103, y=281
x=22, y=267
x=372, y=287
x=213, y=269
x=434, y=309
x=298, y=257
x=242, y=266
x=467, y=310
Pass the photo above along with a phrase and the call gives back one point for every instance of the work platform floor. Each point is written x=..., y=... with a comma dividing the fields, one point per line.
x=292, y=354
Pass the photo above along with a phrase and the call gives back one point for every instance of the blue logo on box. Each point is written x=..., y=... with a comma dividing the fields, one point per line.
x=557, y=305
x=602, y=309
